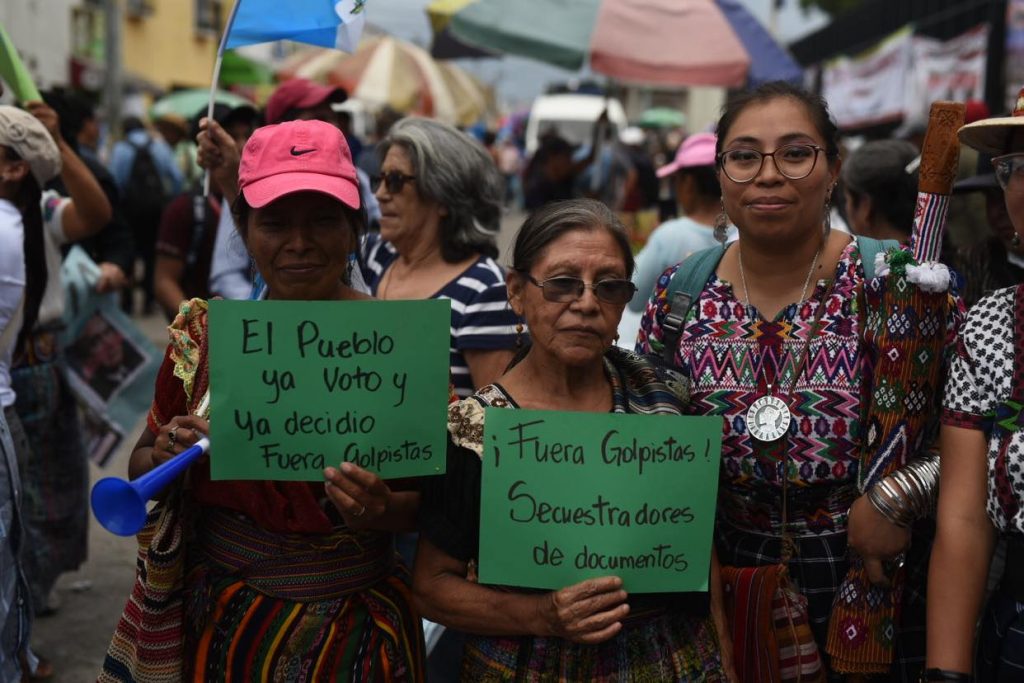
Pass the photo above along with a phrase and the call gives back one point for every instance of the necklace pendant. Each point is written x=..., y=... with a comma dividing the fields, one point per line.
x=768, y=419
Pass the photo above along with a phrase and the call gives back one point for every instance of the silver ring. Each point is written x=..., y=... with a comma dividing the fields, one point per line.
x=361, y=512
x=172, y=437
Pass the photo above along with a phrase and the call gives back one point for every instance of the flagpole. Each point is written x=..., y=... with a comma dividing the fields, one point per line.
x=216, y=79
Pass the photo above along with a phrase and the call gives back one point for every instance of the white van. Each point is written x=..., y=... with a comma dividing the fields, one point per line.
x=571, y=116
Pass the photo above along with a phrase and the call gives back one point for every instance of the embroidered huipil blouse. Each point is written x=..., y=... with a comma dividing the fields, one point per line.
x=733, y=354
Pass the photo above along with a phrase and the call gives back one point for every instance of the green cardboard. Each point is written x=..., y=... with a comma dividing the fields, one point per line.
x=299, y=385
x=571, y=496
x=14, y=73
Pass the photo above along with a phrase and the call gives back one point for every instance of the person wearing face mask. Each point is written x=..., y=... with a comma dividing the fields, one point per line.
x=774, y=340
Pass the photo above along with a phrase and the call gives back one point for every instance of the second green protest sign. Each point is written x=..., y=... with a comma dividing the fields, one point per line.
x=299, y=385
x=570, y=496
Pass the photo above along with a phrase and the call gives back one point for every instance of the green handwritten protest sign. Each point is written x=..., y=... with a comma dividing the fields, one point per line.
x=299, y=385
x=570, y=496
x=13, y=71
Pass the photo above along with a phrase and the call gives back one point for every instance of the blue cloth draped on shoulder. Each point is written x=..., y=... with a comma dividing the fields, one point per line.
x=327, y=23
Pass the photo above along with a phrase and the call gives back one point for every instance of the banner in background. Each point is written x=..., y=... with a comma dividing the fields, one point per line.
x=111, y=364
x=870, y=88
x=947, y=70
x=1014, y=51
x=902, y=76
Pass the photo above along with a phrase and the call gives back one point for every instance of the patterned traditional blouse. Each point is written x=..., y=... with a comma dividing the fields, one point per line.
x=733, y=353
x=980, y=379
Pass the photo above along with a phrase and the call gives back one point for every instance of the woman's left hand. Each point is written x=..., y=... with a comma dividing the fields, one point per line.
x=361, y=497
x=875, y=539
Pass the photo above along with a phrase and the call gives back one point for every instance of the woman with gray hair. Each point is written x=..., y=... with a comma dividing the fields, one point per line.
x=440, y=197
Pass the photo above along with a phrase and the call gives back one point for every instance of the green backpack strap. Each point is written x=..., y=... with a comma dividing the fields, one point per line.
x=869, y=248
x=684, y=289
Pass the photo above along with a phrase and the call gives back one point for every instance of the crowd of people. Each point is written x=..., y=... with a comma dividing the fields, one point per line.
x=832, y=559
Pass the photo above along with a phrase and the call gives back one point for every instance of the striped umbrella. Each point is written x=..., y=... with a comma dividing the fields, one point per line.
x=386, y=71
x=663, y=42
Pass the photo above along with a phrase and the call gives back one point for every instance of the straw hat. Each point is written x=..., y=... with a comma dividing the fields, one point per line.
x=992, y=136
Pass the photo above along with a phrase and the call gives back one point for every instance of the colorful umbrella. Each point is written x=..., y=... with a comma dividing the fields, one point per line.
x=385, y=71
x=445, y=45
x=664, y=42
x=187, y=103
x=662, y=117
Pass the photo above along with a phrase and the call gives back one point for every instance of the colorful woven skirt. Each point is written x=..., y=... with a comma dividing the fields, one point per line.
x=668, y=647
x=314, y=609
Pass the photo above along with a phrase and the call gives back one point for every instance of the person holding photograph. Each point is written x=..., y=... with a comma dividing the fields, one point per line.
x=570, y=281
x=279, y=580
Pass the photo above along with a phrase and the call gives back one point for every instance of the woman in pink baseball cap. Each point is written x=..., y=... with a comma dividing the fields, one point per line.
x=328, y=601
x=697, y=191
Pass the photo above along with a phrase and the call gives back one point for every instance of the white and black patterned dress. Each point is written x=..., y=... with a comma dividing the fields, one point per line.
x=985, y=391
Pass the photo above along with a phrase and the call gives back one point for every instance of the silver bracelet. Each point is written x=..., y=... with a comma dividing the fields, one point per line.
x=908, y=494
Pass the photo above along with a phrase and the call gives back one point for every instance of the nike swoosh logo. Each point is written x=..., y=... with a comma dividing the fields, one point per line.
x=296, y=152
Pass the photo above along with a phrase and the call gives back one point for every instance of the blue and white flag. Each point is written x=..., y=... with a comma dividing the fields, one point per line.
x=328, y=23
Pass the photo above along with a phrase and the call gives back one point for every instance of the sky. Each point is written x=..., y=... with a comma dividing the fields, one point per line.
x=517, y=80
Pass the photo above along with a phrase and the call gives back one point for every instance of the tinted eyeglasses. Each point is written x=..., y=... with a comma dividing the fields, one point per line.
x=793, y=161
x=393, y=180
x=565, y=289
x=1010, y=172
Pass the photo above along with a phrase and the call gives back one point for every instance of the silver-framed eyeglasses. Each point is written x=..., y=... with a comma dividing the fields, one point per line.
x=743, y=164
x=564, y=289
x=1010, y=171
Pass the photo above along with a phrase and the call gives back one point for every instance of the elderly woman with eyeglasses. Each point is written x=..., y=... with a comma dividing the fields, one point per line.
x=440, y=196
x=981, y=497
x=774, y=340
x=570, y=281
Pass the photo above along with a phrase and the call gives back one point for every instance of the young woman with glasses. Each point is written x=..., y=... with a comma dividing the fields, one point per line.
x=981, y=496
x=774, y=345
x=570, y=282
x=440, y=196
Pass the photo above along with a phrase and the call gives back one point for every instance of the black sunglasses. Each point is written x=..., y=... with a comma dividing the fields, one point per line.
x=564, y=289
x=393, y=180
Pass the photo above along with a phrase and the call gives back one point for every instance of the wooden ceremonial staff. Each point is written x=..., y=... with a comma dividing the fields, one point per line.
x=904, y=317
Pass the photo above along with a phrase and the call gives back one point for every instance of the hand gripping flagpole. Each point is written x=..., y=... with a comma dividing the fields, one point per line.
x=216, y=79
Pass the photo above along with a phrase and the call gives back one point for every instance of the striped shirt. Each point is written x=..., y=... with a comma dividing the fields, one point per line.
x=481, y=317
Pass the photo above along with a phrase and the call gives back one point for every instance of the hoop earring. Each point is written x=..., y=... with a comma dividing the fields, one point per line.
x=721, y=231
x=519, y=335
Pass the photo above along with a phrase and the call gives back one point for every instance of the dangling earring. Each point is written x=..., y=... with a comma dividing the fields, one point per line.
x=827, y=219
x=721, y=232
x=615, y=339
x=1015, y=242
x=519, y=335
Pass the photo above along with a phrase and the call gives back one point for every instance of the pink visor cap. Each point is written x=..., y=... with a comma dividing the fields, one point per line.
x=696, y=150
x=297, y=156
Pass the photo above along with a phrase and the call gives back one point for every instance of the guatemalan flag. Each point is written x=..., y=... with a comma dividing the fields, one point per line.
x=327, y=23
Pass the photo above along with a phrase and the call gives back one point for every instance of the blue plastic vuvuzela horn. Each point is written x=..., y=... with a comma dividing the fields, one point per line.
x=120, y=506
